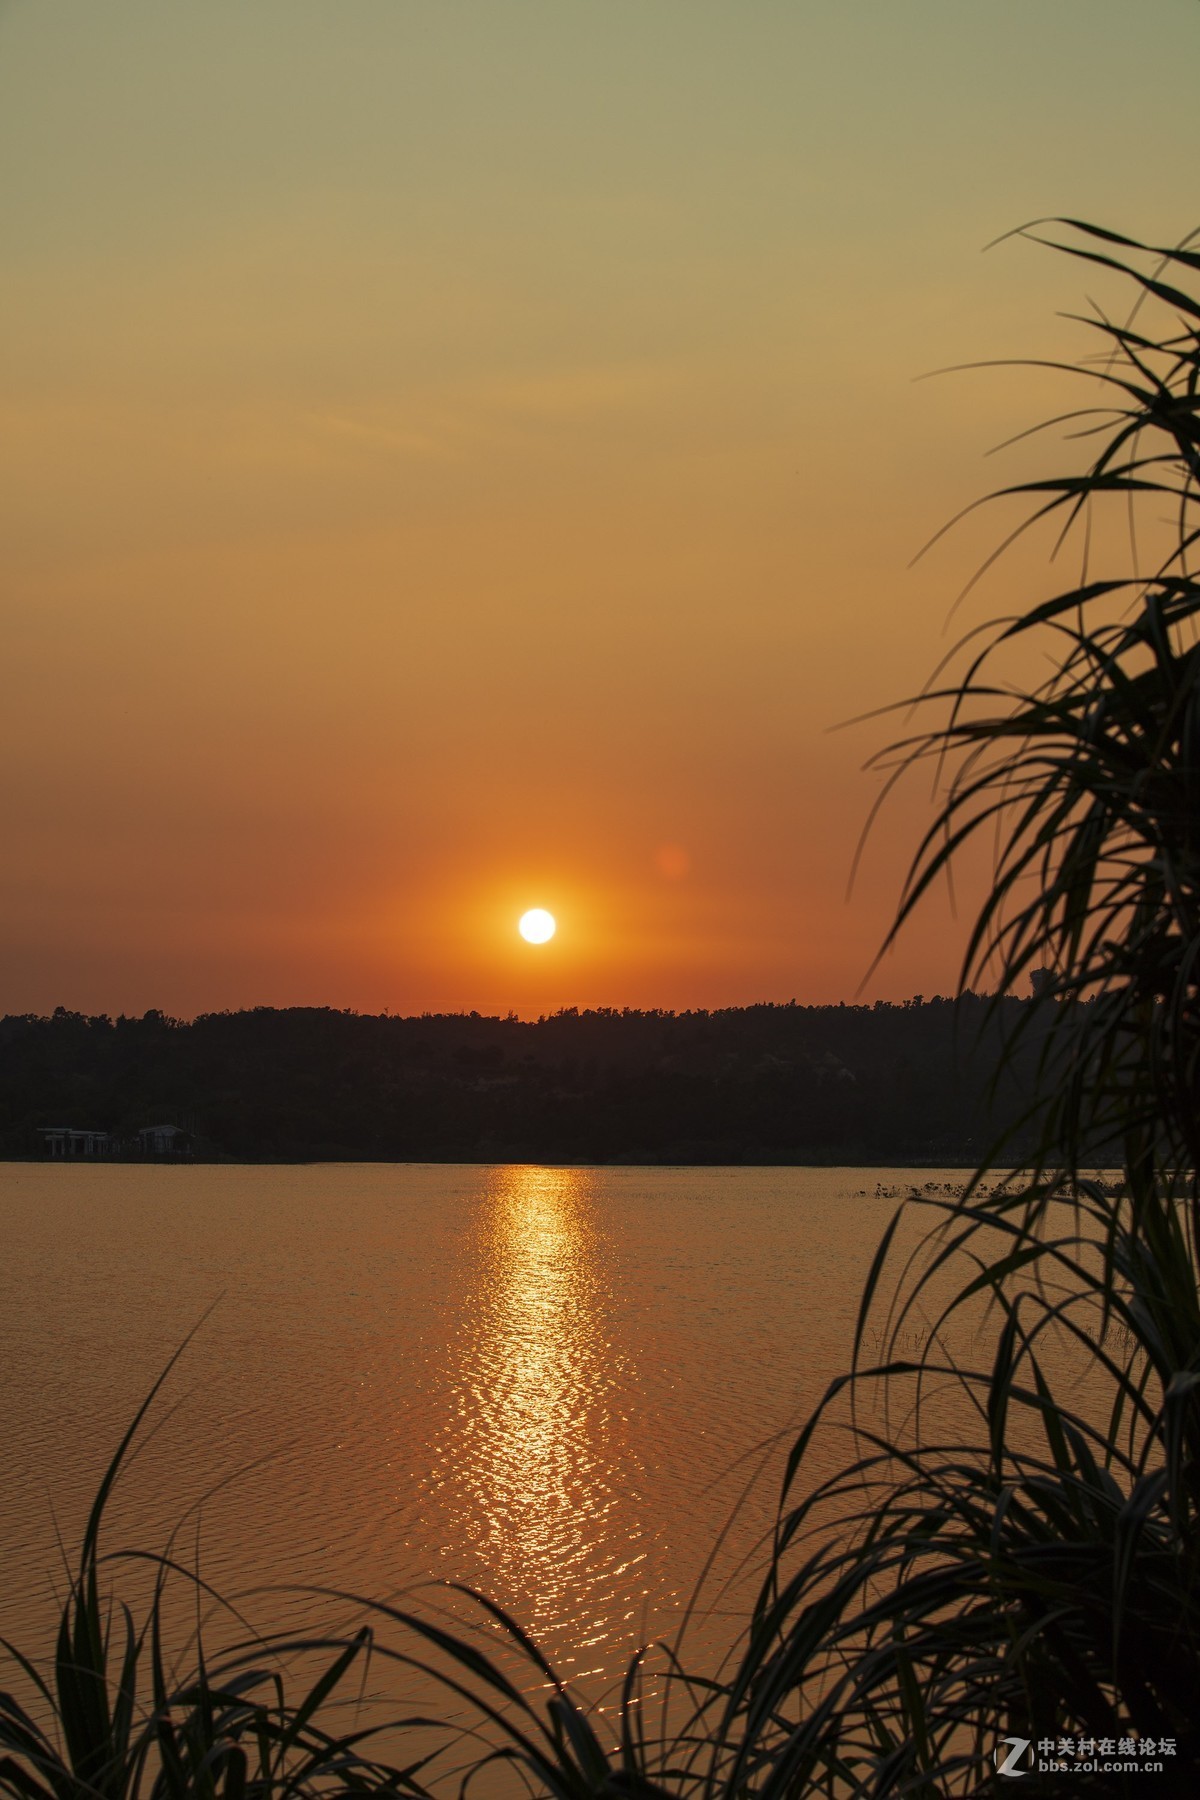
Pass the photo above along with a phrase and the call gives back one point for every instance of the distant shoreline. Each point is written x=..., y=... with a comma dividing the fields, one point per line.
x=466, y=1162
x=923, y=1085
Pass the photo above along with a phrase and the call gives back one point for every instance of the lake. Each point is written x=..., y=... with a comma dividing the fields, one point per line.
x=559, y=1385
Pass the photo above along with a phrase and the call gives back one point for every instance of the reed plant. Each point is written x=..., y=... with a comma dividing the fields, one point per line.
x=113, y=1716
x=1020, y=1561
x=1033, y=1573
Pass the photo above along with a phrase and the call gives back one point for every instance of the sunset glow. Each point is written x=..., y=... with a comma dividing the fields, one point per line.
x=479, y=445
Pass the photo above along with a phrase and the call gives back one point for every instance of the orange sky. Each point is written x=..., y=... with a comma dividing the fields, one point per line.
x=452, y=453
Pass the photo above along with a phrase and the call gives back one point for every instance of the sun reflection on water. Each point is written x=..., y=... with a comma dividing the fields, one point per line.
x=538, y=1474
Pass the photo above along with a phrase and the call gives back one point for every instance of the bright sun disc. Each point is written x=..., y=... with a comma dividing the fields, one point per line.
x=538, y=926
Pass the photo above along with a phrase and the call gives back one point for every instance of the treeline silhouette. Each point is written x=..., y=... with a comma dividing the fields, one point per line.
x=772, y=1083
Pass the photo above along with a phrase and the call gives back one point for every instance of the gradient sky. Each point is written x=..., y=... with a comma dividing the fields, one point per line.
x=465, y=455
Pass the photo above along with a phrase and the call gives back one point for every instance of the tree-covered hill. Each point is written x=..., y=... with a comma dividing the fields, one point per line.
x=767, y=1083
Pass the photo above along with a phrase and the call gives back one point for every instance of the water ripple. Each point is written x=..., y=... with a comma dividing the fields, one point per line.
x=551, y=1384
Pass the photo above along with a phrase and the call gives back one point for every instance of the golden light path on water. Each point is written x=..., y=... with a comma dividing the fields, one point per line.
x=526, y=1468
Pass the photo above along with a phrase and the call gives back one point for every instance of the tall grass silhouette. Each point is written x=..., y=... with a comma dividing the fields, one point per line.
x=1018, y=1558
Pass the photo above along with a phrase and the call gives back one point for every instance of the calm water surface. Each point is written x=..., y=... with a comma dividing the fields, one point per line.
x=554, y=1384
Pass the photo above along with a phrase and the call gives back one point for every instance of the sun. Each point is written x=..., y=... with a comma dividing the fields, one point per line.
x=537, y=926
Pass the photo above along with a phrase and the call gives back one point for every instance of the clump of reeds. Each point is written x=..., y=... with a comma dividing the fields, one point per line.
x=1035, y=1570
x=112, y=1717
